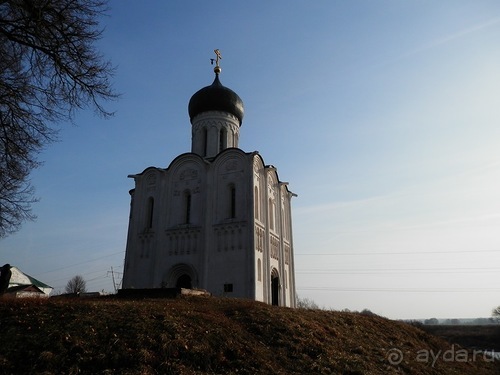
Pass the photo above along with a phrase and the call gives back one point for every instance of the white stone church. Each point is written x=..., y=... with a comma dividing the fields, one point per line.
x=217, y=218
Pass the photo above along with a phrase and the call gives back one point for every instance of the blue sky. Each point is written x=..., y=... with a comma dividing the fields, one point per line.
x=383, y=117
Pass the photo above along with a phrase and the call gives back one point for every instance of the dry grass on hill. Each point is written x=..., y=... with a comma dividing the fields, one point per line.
x=214, y=336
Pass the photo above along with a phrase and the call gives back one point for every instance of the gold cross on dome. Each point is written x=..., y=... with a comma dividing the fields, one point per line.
x=219, y=57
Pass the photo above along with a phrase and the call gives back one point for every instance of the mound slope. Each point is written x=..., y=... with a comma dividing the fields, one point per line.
x=200, y=335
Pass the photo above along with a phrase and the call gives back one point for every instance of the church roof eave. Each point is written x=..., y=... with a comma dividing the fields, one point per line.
x=273, y=169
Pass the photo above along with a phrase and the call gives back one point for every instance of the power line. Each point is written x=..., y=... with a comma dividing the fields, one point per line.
x=399, y=270
x=402, y=290
x=400, y=253
x=102, y=272
x=78, y=264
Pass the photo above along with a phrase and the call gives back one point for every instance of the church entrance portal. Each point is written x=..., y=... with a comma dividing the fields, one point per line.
x=275, y=287
x=184, y=281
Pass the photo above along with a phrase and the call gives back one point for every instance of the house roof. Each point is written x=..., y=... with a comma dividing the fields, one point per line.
x=19, y=278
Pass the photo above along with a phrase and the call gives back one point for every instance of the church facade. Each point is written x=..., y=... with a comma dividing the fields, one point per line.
x=217, y=218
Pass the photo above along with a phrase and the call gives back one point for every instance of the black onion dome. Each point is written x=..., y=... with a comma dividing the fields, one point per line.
x=216, y=98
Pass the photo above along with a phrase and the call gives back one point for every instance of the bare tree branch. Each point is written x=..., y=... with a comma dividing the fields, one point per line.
x=49, y=68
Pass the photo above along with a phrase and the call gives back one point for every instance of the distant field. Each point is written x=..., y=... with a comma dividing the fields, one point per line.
x=485, y=337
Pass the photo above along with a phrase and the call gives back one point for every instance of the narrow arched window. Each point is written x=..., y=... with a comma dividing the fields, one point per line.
x=283, y=222
x=271, y=214
x=259, y=270
x=232, y=202
x=149, y=217
x=222, y=139
x=187, y=207
x=205, y=141
x=256, y=203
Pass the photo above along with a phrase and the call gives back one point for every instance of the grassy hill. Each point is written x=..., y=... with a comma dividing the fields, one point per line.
x=201, y=335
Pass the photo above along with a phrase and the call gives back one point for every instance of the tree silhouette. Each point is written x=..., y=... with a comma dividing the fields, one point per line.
x=76, y=285
x=496, y=313
x=49, y=68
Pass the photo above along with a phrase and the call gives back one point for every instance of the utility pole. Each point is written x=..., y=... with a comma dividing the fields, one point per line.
x=113, y=277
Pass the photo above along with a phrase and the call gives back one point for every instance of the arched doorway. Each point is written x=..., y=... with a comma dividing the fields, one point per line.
x=275, y=288
x=184, y=281
x=181, y=275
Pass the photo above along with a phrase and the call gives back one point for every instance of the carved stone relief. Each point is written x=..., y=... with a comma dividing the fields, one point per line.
x=145, y=246
x=151, y=178
x=182, y=242
x=229, y=237
x=259, y=243
x=231, y=165
x=275, y=243
x=287, y=254
x=188, y=174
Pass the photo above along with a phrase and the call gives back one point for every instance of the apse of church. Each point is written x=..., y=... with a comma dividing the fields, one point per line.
x=217, y=218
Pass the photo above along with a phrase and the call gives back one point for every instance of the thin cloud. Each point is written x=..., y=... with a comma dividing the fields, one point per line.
x=444, y=40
